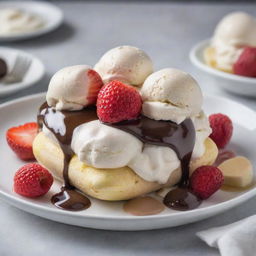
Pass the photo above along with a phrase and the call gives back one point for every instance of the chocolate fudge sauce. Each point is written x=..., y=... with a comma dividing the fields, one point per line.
x=62, y=125
x=181, y=199
x=70, y=199
x=180, y=138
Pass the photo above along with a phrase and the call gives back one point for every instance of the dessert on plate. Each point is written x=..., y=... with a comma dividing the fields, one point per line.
x=120, y=131
x=233, y=45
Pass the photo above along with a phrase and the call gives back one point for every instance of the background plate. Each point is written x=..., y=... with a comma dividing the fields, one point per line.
x=51, y=14
x=109, y=215
x=34, y=74
x=240, y=85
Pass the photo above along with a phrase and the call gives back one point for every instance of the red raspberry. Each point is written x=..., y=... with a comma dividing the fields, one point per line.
x=118, y=102
x=205, y=181
x=222, y=129
x=246, y=63
x=32, y=180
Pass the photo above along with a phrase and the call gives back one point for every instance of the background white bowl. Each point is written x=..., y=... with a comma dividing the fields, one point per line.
x=233, y=83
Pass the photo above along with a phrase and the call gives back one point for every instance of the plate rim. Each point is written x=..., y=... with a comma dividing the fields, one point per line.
x=223, y=205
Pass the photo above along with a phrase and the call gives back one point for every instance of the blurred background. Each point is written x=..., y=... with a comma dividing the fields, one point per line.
x=166, y=30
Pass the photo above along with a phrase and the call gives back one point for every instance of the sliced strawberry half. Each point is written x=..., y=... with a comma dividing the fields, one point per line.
x=20, y=140
x=94, y=84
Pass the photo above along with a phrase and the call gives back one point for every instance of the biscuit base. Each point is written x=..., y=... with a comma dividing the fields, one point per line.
x=108, y=184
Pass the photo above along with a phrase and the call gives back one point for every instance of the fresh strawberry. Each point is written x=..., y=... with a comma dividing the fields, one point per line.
x=118, y=102
x=205, y=181
x=94, y=84
x=246, y=63
x=32, y=180
x=20, y=140
x=222, y=129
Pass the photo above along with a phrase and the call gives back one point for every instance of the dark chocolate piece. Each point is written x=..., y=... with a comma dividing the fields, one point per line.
x=3, y=68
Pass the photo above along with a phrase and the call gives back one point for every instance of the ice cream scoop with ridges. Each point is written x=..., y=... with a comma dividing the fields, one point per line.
x=73, y=88
x=171, y=94
x=127, y=64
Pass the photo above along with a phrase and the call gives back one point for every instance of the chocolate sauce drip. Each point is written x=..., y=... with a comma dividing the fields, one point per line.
x=178, y=137
x=70, y=199
x=62, y=125
x=181, y=199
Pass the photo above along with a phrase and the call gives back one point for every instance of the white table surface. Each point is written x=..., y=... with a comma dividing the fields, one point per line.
x=166, y=31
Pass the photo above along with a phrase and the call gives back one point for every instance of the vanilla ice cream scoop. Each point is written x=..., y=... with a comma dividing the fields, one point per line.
x=101, y=146
x=72, y=88
x=155, y=163
x=237, y=29
x=232, y=34
x=171, y=94
x=127, y=64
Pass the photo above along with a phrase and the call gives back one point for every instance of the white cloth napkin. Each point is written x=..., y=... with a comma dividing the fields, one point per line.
x=236, y=239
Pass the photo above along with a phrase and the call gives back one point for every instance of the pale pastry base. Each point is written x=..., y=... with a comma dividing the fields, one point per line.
x=108, y=184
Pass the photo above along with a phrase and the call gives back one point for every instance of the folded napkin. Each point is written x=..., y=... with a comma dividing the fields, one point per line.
x=236, y=239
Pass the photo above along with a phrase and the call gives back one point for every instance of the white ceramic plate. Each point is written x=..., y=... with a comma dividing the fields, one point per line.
x=233, y=83
x=34, y=74
x=52, y=16
x=109, y=215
